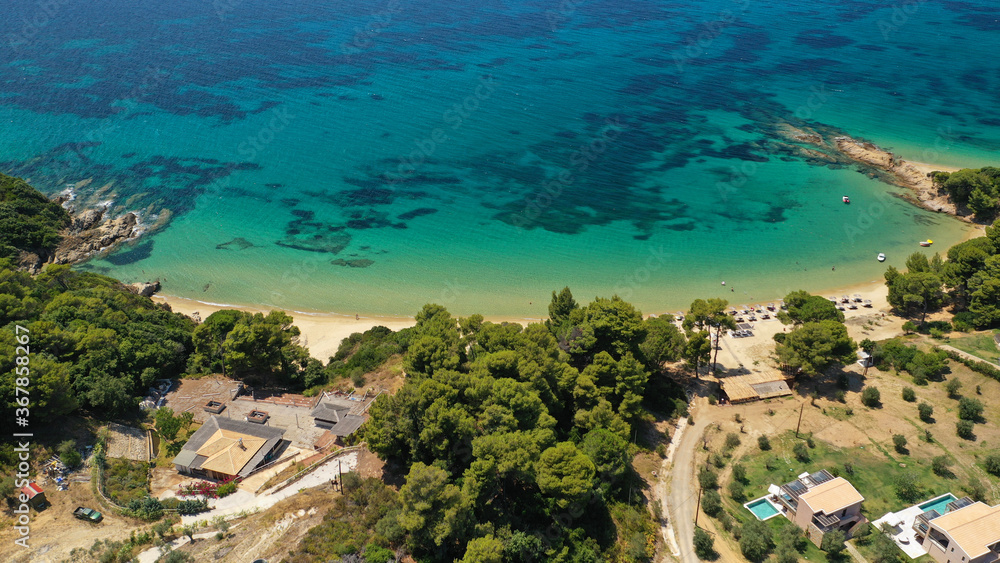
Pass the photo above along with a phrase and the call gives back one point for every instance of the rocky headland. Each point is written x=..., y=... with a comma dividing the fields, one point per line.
x=89, y=233
x=829, y=146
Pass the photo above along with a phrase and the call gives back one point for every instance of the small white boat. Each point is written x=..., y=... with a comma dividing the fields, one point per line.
x=881, y=257
x=927, y=242
x=846, y=199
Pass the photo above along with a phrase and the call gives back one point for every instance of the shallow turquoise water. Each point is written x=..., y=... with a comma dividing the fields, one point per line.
x=482, y=155
x=762, y=509
x=939, y=505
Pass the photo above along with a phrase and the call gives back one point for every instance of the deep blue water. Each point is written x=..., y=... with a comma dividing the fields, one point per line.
x=374, y=156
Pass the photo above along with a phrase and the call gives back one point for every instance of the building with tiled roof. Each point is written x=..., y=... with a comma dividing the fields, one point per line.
x=224, y=448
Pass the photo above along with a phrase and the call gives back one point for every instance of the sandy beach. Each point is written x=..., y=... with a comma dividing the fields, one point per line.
x=323, y=332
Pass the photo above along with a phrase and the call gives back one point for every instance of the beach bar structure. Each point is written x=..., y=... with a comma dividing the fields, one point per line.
x=820, y=503
x=754, y=386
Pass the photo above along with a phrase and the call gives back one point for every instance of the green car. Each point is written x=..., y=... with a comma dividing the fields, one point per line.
x=88, y=514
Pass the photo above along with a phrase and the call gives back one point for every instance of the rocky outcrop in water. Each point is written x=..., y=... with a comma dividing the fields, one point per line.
x=831, y=147
x=87, y=235
x=145, y=289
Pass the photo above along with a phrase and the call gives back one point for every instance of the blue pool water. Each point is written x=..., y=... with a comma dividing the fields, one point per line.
x=938, y=504
x=762, y=508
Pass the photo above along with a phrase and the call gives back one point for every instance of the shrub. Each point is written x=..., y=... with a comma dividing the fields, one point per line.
x=899, y=442
x=843, y=382
x=964, y=321
x=358, y=377
x=801, y=452
x=841, y=396
x=661, y=450
x=953, y=387
x=763, y=443
x=784, y=554
x=708, y=479
x=848, y=468
x=147, y=508
x=732, y=440
x=739, y=472
x=907, y=488
x=711, y=502
x=755, y=540
x=926, y=412
x=928, y=437
x=790, y=536
x=225, y=489
x=965, y=429
x=736, y=491
x=992, y=464
x=909, y=395
x=976, y=489
x=68, y=454
x=378, y=554
x=941, y=465
x=810, y=442
x=704, y=544
x=192, y=506
x=970, y=409
x=717, y=460
x=833, y=543
x=871, y=397
x=712, y=399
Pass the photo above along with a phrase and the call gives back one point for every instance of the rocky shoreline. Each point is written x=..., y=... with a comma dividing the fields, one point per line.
x=90, y=232
x=833, y=147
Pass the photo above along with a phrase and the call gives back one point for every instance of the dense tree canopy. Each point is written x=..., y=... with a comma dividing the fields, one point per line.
x=28, y=220
x=917, y=291
x=814, y=346
x=978, y=189
x=509, y=427
x=804, y=307
x=94, y=344
x=249, y=346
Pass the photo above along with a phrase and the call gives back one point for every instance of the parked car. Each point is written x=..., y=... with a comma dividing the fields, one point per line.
x=88, y=514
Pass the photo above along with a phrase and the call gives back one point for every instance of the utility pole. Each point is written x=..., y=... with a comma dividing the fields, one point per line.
x=697, y=508
x=340, y=471
x=799, y=425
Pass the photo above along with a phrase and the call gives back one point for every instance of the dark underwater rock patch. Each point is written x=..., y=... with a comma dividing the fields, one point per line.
x=359, y=263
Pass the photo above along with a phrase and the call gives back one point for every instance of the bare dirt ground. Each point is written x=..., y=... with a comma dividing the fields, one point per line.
x=824, y=417
x=270, y=534
x=55, y=532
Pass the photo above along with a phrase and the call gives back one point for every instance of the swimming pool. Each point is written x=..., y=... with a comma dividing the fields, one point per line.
x=938, y=503
x=762, y=508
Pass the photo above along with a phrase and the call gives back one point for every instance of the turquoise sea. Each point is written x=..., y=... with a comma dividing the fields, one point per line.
x=373, y=156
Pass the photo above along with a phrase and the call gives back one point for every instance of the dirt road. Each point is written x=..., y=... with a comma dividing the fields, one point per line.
x=683, y=496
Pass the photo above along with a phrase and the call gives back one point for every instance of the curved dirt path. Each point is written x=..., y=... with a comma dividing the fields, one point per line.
x=683, y=496
x=683, y=493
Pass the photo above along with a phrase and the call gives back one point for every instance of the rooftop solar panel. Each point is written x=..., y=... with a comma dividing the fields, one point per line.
x=821, y=476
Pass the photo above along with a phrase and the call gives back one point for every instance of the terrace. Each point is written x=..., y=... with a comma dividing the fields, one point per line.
x=911, y=525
